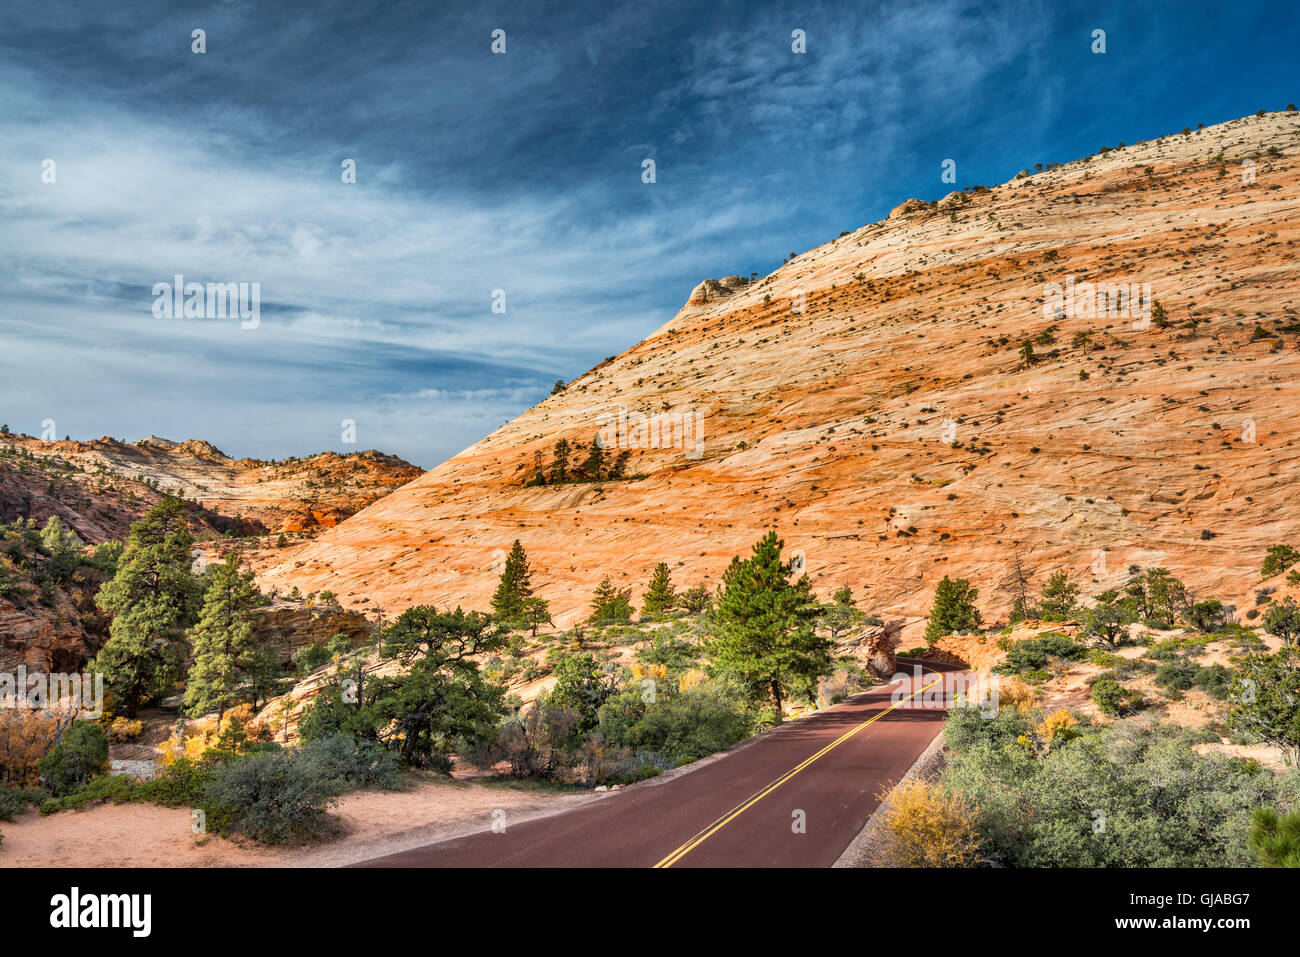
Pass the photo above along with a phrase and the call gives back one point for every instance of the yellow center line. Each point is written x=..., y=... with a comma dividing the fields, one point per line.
x=735, y=812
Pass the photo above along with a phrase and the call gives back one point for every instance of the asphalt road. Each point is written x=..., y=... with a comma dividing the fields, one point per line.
x=794, y=797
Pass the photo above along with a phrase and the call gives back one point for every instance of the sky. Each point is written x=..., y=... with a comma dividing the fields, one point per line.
x=514, y=179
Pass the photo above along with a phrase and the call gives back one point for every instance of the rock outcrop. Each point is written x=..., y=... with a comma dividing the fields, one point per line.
x=286, y=626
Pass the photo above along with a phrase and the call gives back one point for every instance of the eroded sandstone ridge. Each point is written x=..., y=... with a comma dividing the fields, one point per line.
x=98, y=488
x=871, y=401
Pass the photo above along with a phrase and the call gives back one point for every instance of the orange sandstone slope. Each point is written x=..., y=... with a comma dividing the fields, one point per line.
x=892, y=432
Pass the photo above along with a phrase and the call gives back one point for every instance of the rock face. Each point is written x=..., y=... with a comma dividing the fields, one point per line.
x=875, y=648
x=708, y=291
x=54, y=635
x=906, y=208
x=287, y=626
x=877, y=411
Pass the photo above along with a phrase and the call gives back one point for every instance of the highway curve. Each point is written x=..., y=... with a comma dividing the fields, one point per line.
x=794, y=797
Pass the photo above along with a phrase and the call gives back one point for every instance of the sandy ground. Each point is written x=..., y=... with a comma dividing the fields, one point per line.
x=363, y=824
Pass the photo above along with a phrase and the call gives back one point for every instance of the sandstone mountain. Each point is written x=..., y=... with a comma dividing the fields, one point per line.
x=872, y=401
x=99, y=488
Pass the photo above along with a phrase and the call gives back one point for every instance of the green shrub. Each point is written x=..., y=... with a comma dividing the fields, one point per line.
x=79, y=756
x=307, y=659
x=358, y=764
x=1113, y=699
x=117, y=788
x=1133, y=795
x=674, y=653
x=1216, y=681
x=1036, y=653
x=15, y=800
x=966, y=728
x=1176, y=676
x=181, y=784
x=683, y=726
x=1106, y=659
x=271, y=797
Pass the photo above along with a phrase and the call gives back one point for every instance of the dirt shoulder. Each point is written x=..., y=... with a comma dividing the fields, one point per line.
x=363, y=825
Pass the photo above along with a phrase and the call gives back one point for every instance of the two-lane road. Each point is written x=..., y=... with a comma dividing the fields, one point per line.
x=794, y=797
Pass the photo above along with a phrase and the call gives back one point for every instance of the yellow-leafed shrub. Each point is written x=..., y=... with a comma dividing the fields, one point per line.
x=1015, y=693
x=657, y=673
x=1058, y=723
x=124, y=729
x=236, y=729
x=25, y=737
x=693, y=679
x=927, y=828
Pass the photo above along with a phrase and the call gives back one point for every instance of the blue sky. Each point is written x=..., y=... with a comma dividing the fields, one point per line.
x=519, y=172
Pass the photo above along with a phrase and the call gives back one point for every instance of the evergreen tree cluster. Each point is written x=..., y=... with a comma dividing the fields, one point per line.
x=574, y=463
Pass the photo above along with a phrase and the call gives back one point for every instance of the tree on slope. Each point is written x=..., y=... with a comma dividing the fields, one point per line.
x=842, y=613
x=227, y=658
x=766, y=633
x=515, y=587
x=152, y=598
x=560, y=465
x=610, y=604
x=1270, y=701
x=659, y=597
x=1060, y=597
x=953, y=610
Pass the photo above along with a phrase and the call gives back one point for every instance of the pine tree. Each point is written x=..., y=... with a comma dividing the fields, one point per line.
x=537, y=611
x=153, y=598
x=594, y=464
x=1060, y=596
x=954, y=609
x=560, y=465
x=1159, y=316
x=610, y=604
x=659, y=597
x=226, y=656
x=619, y=465
x=1275, y=839
x=766, y=633
x=841, y=613
x=515, y=588
x=1027, y=352
x=63, y=547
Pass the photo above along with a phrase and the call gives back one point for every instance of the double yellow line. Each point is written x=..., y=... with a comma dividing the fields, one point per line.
x=740, y=809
